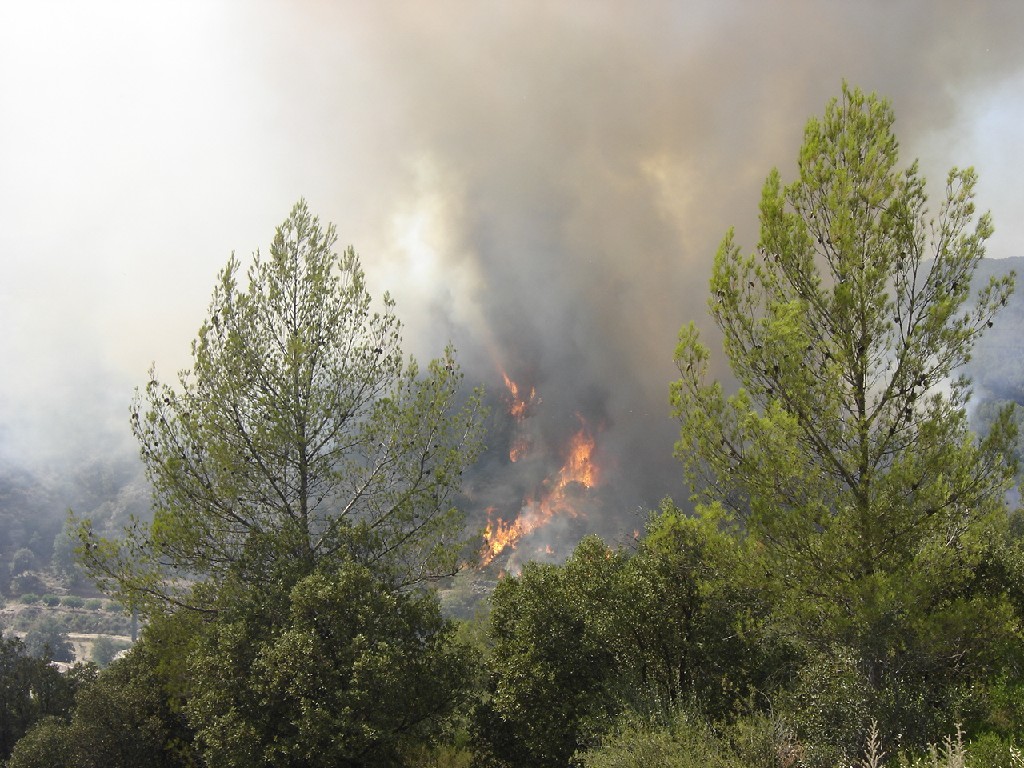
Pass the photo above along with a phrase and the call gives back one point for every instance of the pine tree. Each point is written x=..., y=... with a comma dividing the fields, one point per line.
x=299, y=438
x=845, y=452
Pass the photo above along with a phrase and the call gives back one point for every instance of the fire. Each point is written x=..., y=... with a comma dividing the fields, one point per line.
x=519, y=408
x=580, y=467
x=498, y=534
x=556, y=497
x=519, y=448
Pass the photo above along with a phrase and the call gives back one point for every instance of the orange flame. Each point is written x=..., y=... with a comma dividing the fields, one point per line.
x=498, y=534
x=556, y=498
x=519, y=406
x=580, y=467
x=519, y=448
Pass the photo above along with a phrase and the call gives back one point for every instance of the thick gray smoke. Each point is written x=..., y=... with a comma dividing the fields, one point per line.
x=545, y=184
x=594, y=158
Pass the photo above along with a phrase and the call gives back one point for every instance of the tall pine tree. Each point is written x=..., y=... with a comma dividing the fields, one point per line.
x=845, y=453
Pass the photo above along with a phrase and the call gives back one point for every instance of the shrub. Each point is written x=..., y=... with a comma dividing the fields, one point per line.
x=441, y=756
x=49, y=639
x=94, y=604
x=990, y=750
x=25, y=619
x=30, y=598
x=80, y=622
x=688, y=741
x=26, y=582
x=105, y=649
x=21, y=561
x=51, y=600
x=73, y=601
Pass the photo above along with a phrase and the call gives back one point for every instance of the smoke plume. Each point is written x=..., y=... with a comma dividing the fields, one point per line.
x=544, y=184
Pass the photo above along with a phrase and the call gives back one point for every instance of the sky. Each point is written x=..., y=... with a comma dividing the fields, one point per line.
x=542, y=183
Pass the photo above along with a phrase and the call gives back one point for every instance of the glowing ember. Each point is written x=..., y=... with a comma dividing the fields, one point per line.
x=519, y=448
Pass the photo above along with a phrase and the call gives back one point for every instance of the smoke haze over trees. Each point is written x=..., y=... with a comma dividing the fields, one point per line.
x=822, y=586
x=544, y=186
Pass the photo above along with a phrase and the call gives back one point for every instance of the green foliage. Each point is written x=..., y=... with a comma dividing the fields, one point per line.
x=443, y=756
x=300, y=437
x=51, y=600
x=64, y=560
x=72, y=601
x=30, y=690
x=552, y=687
x=873, y=513
x=48, y=745
x=986, y=415
x=990, y=751
x=105, y=648
x=26, y=582
x=576, y=645
x=343, y=670
x=304, y=479
x=688, y=741
x=22, y=560
x=122, y=719
x=48, y=639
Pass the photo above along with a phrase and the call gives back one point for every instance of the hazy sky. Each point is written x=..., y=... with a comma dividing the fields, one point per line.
x=544, y=183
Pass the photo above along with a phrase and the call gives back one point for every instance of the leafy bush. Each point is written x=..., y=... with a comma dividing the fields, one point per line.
x=121, y=719
x=21, y=561
x=30, y=598
x=49, y=639
x=73, y=601
x=26, y=582
x=105, y=648
x=25, y=619
x=688, y=741
x=441, y=756
x=611, y=632
x=32, y=689
x=51, y=600
x=82, y=623
x=94, y=604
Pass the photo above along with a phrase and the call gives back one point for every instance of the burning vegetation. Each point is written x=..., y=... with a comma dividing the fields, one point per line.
x=562, y=493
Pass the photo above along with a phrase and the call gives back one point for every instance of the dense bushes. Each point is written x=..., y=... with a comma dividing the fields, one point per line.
x=123, y=719
x=621, y=650
x=612, y=632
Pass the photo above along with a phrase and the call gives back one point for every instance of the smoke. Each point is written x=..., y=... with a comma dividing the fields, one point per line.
x=591, y=161
x=544, y=184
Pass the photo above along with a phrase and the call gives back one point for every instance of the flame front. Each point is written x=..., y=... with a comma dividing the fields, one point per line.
x=499, y=535
x=580, y=467
x=556, y=497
